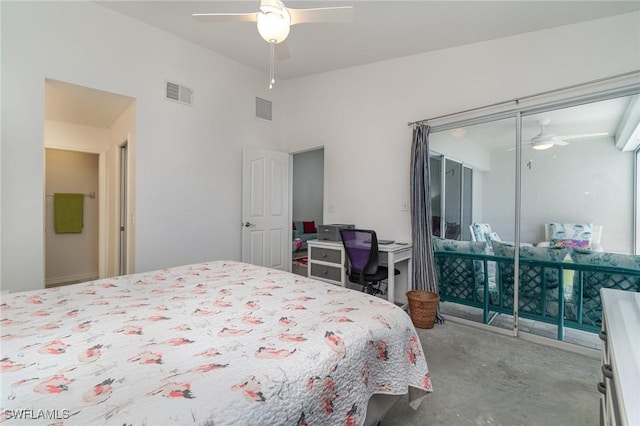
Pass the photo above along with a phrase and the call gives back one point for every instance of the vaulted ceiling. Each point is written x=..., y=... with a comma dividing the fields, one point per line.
x=380, y=30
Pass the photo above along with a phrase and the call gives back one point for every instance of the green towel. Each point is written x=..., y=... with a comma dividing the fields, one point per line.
x=68, y=213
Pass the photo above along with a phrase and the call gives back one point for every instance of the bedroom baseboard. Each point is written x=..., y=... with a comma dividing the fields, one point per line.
x=70, y=279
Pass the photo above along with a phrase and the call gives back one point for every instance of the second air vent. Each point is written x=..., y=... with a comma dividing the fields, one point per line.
x=179, y=93
x=263, y=108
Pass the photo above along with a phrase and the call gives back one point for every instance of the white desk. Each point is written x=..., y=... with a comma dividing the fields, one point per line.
x=321, y=263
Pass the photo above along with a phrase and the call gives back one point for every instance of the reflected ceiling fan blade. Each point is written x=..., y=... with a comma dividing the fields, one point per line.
x=270, y=4
x=584, y=135
x=341, y=14
x=560, y=142
x=282, y=51
x=225, y=17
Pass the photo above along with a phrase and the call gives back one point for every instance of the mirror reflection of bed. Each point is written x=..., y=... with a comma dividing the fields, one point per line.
x=586, y=176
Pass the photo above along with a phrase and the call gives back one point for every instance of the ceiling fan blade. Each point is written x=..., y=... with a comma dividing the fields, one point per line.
x=282, y=51
x=272, y=4
x=225, y=17
x=584, y=135
x=342, y=14
x=560, y=142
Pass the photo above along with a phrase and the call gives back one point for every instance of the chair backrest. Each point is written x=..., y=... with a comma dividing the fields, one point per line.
x=361, y=246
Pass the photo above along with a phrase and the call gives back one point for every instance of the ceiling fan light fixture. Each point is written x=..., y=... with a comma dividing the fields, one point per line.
x=542, y=145
x=274, y=26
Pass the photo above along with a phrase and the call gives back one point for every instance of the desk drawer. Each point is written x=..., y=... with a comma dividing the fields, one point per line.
x=326, y=254
x=325, y=272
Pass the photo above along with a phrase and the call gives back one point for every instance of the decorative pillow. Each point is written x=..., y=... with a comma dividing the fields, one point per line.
x=593, y=281
x=458, y=277
x=493, y=236
x=572, y=232
x=294, y=226
x=584, y=244
x=627, y=261
x=530, y=275
x=549, y=254
x=481, y=231
x=442, y=244
x=309, y=227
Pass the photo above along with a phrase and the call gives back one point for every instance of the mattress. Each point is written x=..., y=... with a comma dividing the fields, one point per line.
x=221, y=342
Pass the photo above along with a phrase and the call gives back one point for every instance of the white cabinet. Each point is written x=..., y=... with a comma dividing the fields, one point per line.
x=326, y=262
x=620, y=385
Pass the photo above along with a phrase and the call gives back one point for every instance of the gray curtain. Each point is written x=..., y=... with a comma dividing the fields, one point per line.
x=424, y=272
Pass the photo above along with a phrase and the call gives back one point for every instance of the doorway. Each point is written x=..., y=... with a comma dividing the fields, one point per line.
x=86, y=121
x=123, y=177
x=307, y=203
x=71, y=235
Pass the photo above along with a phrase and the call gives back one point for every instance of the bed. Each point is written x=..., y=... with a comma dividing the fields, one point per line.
x=221, y=342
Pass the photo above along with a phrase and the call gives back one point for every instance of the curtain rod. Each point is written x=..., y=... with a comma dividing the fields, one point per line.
x=517, y=100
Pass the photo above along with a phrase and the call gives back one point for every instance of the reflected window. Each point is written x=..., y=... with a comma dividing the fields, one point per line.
x=435, y=172
x=451, y=197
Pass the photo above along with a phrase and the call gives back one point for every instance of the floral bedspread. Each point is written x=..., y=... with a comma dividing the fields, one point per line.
x=217, y=343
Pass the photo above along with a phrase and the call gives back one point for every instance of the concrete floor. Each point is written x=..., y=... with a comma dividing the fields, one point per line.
x=505, y=322
x=482, y=377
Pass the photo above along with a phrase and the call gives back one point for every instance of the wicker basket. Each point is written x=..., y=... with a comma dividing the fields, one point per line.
x=422, y=307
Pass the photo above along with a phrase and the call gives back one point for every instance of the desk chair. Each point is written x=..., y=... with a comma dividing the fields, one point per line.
x=361, y=247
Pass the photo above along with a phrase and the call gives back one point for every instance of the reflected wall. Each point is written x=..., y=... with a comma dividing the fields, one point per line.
x=584, y=176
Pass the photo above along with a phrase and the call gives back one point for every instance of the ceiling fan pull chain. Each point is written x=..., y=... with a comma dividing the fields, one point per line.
x=272, y=78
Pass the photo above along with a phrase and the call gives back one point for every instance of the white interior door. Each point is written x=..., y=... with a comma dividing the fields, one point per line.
x=266, y=227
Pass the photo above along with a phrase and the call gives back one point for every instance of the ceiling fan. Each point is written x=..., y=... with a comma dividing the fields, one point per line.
x=274, y=21
x=544, y=140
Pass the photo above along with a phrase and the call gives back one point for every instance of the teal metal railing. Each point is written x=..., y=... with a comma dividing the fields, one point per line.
x=562, y=293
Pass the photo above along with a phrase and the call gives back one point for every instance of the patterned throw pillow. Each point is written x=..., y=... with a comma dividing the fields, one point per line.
x=443, y=244
x=579, y=233
x=593, y=281
x=481, y=231
x=457, y=276
x=493, y=236
x=531, y=277
x=549, y=254
x=584, y=244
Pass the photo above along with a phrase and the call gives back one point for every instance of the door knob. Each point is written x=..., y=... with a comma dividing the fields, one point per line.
x=248, y=224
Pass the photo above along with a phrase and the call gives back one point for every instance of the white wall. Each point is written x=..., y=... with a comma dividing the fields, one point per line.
x=362, y=113
x=188, y=159
x=586, y=181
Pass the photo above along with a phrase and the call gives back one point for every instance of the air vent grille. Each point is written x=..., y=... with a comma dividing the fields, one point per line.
x=263, y=108
x=179, y=93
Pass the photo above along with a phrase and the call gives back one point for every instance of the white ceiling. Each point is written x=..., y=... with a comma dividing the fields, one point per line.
x=597, y=117
x=381, y=30
x=81, y=105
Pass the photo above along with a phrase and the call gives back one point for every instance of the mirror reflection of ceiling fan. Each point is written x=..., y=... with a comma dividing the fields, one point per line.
x=544, y=140
x=274, y=21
